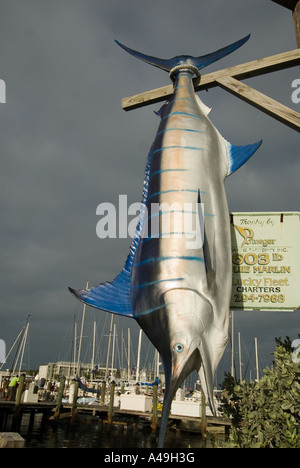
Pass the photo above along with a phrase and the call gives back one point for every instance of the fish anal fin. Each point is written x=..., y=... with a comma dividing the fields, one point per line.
x=111, y=297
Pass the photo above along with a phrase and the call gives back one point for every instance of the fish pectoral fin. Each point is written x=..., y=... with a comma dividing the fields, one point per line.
x=111, y=297
x=238, y=155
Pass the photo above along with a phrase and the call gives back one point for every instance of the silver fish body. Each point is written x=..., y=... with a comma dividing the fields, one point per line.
x=181, y=289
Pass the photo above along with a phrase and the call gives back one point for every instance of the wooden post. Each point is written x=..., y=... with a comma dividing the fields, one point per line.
x=293, y=5
x=203, y=417
x=20, y=390
x=154, y=408
x=19, y=395
x=103, y=390
x=48, y=390
x=111, y=403
x=17, y=416
x=74, y=403
x=296, y=16
x=59, y=398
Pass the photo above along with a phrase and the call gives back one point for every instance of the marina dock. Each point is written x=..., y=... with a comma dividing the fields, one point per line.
x=129, y=410
x=11, y=416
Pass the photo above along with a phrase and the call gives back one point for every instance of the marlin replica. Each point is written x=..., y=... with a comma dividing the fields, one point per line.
x=177, y=290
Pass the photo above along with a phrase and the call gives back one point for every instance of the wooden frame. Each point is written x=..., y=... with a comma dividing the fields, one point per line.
x=228, y=79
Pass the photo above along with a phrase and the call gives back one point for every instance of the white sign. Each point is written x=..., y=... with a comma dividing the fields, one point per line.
x=265, y=261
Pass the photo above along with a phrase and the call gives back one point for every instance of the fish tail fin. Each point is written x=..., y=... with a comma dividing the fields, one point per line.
x=181, y=60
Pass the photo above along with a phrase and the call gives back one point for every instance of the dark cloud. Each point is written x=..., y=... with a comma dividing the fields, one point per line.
x=66, y=144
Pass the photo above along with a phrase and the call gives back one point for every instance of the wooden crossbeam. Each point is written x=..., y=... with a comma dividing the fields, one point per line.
x=259, y=100
x=210, y=80
x=228, y=79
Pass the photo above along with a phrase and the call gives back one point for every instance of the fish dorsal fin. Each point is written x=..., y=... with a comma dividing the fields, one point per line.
x=204, y=108
x=238, y=155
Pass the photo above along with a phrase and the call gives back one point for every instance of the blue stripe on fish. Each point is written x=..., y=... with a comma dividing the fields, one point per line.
x=170, y=191
x=167, y=170
x=182, y=113
x=153, y=283
x=159, y=150
x=169, y=212
x=179, y=129
x=168, y=234
x=149, y=311
x=163, y=259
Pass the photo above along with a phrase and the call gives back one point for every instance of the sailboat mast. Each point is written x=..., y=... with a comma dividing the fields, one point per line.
x=232, y=345
x=23, y=347
x=109, y=343
x=81, y=335
x=256, y=358
x=139, y=356
x=20, y=346
x=128, y=354
x=113, y=351
x=240, y=356
x=93, y=351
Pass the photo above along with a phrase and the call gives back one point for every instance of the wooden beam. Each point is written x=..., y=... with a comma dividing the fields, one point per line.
x=290, y=4
x=243, y=71
x=259, y=100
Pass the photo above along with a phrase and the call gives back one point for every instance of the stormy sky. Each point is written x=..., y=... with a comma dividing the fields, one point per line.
x=66, y=146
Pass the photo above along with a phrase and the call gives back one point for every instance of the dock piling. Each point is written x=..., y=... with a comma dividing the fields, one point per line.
x=111, y=403
x=74, y=403
x=154, y=408
x=103, y=391
x=59, y=398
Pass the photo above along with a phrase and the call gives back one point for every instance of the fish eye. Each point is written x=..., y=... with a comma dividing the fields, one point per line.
x=179, y=348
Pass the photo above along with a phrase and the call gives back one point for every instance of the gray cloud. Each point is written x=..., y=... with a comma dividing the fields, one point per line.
x=66, y=144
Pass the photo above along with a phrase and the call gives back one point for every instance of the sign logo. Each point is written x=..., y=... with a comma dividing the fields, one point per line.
x=248, y=235
x=2, y=351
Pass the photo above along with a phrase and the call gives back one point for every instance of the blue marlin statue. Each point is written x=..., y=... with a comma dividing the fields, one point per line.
x=177, y=290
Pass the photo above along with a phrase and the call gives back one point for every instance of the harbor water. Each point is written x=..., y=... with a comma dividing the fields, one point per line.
x=88, y=433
